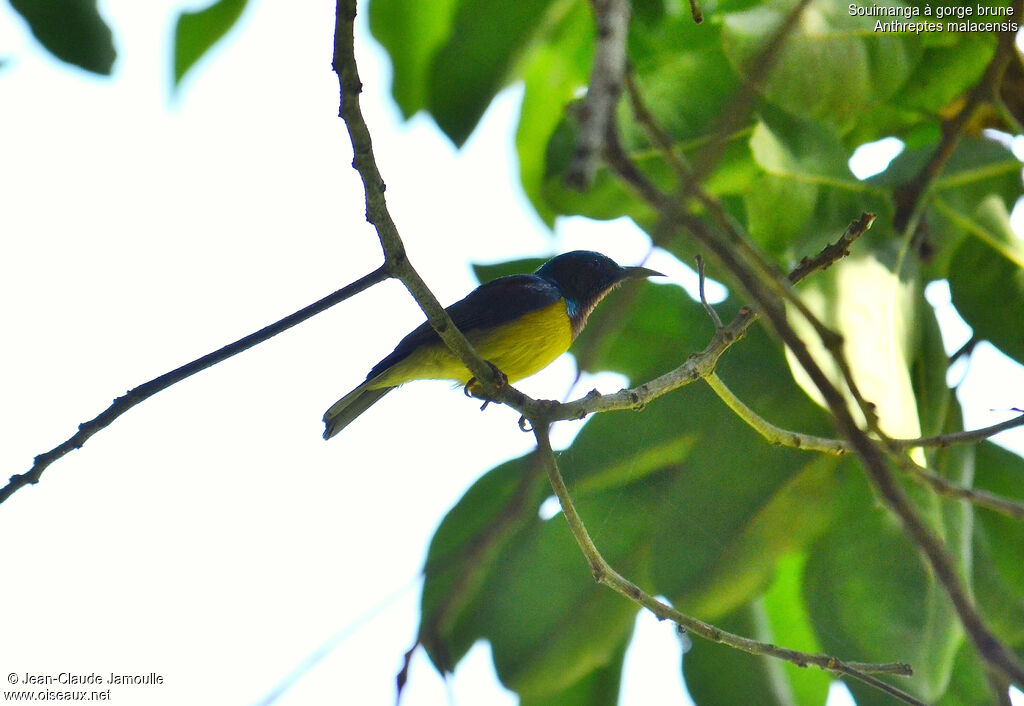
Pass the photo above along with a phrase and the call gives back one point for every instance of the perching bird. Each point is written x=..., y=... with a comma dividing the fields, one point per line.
x=519, y=323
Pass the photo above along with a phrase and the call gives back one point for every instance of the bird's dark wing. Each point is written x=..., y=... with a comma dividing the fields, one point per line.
x=497, y=302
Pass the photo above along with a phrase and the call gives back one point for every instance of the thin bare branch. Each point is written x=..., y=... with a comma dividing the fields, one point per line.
x=695, y=12
x=960, y=437
x=946, y=488
x=715, y=318
x=147, y=389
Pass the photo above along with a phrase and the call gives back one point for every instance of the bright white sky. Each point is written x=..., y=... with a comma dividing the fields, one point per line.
x=210, y=535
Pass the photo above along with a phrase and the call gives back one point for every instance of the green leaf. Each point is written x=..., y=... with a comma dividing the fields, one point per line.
x=986, y=278
x=936, y=403
x=522, y=583
x=71, y=30
x=802, y=150
x=999, y=545
x=773, y=227
x=978, y=169
x=476, y=58
x=787, y=616
x=788, y=519
x=875, y=310
x=412, y=33
x=195, y=33
x=684, y=76
x=550, y=624
x=498, y=507
x=485, y=273
x=947, y=70
x=832, y=66
x=968, y=685
x=636, y=479
x=556, y=67
x=717, y=675
x=693, y=444
x=871, y=599
x=598, y=688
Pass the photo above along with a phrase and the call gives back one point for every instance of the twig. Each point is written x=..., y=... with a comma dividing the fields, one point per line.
x=605, y=574
x=966, y=349
x=834, y=251
x=598, y=109
x=946, y=488
x=661, y=139
x=695, y=12
x=838, y=447
x=703, y=299
x=930, y=546
x=960, y=437
x=147, y=389
x=396, y=264
x=776, y=436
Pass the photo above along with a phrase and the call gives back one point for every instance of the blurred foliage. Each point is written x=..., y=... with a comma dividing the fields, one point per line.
x=72, y=30
x=195, y=33
x=775, y=543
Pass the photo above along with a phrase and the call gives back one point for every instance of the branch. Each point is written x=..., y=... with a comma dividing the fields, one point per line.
x=605, y=574
x=377, y=214
x=766, y=288
x=762, y=286
x=960, y=437
x=146, y=390
x=777, y=436
x=976, y=496
x=740, y=249
x=598, y=108
x=806, y=442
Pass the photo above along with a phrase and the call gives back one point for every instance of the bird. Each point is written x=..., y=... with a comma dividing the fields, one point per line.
x=518, y=323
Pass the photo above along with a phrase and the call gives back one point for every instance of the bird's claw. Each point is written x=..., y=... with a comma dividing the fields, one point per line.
x=472, y=388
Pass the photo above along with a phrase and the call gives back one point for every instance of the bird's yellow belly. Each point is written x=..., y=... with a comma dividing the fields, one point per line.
x=519, y=349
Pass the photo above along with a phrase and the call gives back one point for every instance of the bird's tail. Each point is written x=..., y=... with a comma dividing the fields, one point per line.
x=344, y=411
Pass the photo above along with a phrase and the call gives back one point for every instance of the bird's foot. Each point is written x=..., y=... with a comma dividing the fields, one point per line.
x=473, y=388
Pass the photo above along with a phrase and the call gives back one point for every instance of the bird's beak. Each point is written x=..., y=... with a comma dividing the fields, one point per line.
x=639, y=272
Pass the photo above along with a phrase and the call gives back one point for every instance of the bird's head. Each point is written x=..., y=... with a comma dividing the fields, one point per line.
x=584, y=277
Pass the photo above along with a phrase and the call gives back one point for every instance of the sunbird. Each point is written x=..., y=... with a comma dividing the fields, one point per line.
x=518, y=323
